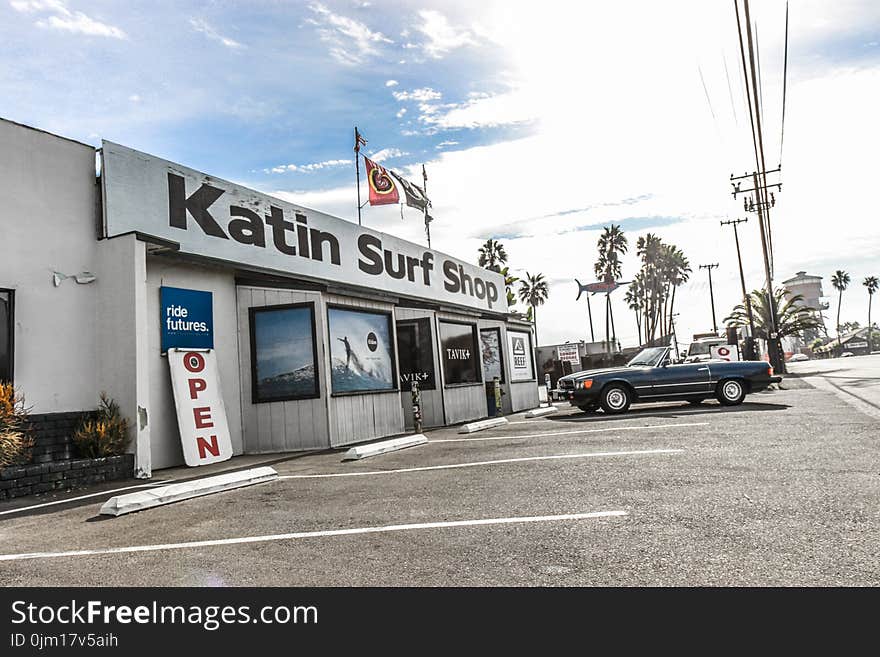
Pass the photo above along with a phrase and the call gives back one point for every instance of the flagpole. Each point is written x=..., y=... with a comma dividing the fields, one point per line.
x=357, y=167
x=427, y=223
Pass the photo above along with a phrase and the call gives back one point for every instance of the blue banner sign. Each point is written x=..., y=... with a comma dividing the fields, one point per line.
x=187, y=318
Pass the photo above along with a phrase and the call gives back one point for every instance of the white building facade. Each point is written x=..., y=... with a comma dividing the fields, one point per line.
x=317, y=325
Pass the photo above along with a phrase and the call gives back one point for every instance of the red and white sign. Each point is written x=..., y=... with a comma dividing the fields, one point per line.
x=724, y=352
x=569, y=352
x=201, y=415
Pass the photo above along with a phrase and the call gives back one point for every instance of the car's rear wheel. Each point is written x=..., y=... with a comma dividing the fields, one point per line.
x=730, y=392
x=615, y=399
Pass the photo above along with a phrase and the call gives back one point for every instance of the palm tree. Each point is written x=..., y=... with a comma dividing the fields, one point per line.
x=533, y=292
x=872, y=284
x=679, y=271
x=840, y=281
x=649, y=249
x=509, y=280
x=611, y=245
x=492, y=255
x=792, y=316
x=633, y=298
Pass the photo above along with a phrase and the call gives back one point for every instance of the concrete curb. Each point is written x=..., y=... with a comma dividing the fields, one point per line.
x=146, y=499
x=540, y=412
x=482, y=424
x=383, y=447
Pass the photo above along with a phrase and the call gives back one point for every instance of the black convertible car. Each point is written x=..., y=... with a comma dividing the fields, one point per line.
x=652, y=376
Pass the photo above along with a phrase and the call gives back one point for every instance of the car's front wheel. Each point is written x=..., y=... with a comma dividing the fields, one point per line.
x=615, y=399
x=731, y=392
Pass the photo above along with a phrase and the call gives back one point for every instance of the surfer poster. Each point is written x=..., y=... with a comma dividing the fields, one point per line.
x=360, y=351
x=283, y=353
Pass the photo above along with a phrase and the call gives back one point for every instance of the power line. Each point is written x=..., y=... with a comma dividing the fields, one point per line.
x=729, y=88
x=784, y=83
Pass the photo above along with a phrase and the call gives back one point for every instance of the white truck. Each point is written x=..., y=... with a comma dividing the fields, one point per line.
x=700, y=349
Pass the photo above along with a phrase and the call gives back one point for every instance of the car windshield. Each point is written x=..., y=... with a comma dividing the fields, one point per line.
x=650, y=356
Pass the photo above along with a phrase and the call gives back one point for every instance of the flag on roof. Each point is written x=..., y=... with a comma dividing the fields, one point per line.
x=383, y=189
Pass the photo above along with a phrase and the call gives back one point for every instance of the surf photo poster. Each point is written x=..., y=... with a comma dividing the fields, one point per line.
x=360, y=351
x=283, y=353
x=490, y=342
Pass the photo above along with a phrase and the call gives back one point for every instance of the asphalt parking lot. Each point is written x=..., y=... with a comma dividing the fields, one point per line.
x=783, y=490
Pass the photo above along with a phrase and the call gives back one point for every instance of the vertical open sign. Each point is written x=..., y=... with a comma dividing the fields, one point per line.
x=201, y=414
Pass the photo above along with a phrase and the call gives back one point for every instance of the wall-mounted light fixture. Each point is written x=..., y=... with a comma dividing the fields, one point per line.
x=83, y=278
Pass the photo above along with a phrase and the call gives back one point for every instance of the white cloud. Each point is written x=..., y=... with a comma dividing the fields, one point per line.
x=134, y=98
x=391, y=83
x=308, y=168
x=387, y=154
x=351, y=42
x=421, y=95
x=200, y=25
x=443, y=144
x=441, y=37
x=61, y=18
x=401, y=112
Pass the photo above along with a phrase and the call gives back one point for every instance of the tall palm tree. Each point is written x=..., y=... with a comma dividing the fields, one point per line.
x=611, y=245
x=679, y=271
x=492, y=255
x=649, y=249
x=793, y=317
x=840, y=281
x=633, y=298
x=872, y=283
x=533, y=291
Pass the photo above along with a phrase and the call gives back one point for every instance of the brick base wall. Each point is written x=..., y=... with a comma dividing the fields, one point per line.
x=53, y=466
x=53, y=435
x=63, y=475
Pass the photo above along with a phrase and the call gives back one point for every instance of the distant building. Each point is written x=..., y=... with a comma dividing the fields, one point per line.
x=810, y=288
x=855, y=342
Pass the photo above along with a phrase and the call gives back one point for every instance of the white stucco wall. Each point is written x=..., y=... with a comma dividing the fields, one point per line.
x=48, y=222
x=164, y=434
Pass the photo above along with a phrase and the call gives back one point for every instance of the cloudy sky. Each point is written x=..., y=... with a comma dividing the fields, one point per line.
x=539, y=123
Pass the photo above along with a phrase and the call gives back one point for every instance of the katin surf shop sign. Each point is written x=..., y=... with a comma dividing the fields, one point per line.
x=217, y=219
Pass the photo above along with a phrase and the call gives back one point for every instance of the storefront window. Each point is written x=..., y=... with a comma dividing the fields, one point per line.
x=519, y=347
x=360, y=351
x=459, y=353
x=415, y=353
x=490, y=344
x=6, y=324
x=283, y=353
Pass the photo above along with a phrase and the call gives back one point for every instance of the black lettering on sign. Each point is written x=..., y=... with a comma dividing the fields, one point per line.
x=249, y=230
x=366, y=245
x=197, y=204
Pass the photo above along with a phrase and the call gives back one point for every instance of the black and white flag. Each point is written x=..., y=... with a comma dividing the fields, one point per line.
x=415, y=195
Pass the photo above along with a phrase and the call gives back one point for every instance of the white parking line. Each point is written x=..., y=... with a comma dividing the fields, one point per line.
x=661, y=411
x=316, y=534
x=81, y=497
x=478, y=463
x=564, y=433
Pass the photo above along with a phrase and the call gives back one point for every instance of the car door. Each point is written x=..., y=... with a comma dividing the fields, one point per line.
x=685, y=379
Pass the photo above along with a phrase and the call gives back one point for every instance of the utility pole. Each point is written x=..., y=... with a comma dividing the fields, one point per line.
x=761, y=203
x=749, y=347
x=711, y=294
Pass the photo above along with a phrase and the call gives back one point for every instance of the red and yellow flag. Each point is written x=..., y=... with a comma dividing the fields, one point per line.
x=383, y=189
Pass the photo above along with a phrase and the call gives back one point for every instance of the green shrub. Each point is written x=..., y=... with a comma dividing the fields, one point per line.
x=16, y=443
x=106, y=434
